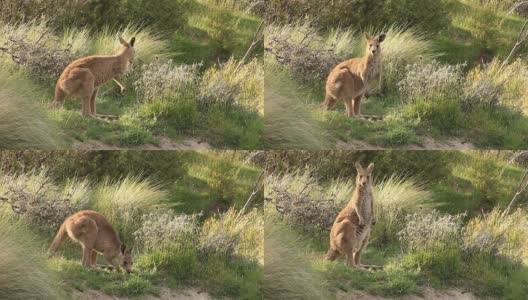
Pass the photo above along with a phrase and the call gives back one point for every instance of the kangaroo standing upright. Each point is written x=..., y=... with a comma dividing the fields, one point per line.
x=351, y=229
x=83, y=77
x=350, y=80
x=96, y=235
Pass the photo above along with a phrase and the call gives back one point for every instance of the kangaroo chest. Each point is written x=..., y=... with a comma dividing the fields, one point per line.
x=372, y=69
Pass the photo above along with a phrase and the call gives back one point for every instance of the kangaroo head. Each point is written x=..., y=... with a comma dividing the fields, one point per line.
x=125, y=258
x=364, y=176
x=127, y=49
x=374, y=44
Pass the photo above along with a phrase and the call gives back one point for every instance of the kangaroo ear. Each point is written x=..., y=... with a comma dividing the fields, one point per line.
x=367, y=36
x=123, y=42
x=358, y=166
x=132, y=41
x=123, y=248
x=370, y=168
x=381, y=38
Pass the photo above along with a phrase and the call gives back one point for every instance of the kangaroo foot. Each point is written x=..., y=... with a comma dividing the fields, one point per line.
x=371, y=267
x=372, y=117
x=107, y=117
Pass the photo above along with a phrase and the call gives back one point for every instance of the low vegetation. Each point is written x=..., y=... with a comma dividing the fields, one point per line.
x=443, y=233
x=445, y=82
x=181, y=243
x=211, y=78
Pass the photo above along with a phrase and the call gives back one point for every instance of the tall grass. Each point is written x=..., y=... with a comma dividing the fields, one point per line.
x=394, y=198
x=150, y=44
x=287, y=272
x=124, y=201
x=24, y=272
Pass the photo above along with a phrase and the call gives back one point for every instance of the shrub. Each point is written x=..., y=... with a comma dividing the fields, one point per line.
x=233, y=83
x=232, y=234
x=124, y=201
x=33, y=47
x=24, y=272
x=494, y=85
x=37, y=199
x=394, y=199
x=301, y=49
x=299, y=197
x=431, y=82
x=493, y=235
x=165, y=80
x=430, y=231
x=160, y=229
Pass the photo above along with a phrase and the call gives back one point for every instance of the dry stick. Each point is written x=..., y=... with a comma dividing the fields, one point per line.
x=521, y=37
x=256, y=38
x=523, y=187
x=256, y=188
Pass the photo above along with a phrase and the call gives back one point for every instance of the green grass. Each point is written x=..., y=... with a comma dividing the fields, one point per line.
x=216, y=37
x=479, y=184
x=476, y=34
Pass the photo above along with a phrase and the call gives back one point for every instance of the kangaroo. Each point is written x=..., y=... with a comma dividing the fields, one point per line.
x=96, y=235
x=351, y=229
x=83, y=77
x=350, y=80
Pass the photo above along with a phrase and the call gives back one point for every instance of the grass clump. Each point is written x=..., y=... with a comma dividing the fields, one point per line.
x=25, y=274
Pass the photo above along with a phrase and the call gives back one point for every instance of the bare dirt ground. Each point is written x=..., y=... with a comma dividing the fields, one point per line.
x=165, y=294
x=165, y=143
x=427, y=294
x=428, y=143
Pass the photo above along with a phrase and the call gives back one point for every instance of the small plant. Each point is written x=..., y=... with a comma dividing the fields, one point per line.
x=494, y=235
x=165, y=80
x=430, y=231
x=431, y=82
x=160, y=229
x=496, y=84
x=35, y=48
x=37, y=199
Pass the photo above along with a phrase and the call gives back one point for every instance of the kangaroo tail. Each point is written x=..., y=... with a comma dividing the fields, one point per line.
x=59, y=239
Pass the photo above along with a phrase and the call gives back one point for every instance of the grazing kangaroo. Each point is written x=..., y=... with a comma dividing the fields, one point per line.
x=83, y=77
x=96, y=235
x=351, y=229
x=350, y=80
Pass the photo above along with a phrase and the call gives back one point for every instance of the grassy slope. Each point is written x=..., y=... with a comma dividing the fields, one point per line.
x=457, y=44
x=197, y=42
x=467, y=190
x=213, y=183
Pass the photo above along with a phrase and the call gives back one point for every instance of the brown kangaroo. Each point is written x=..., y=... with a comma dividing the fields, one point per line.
x=349, y=81
x=351, y=229
x=83, y=77
x=96, y=235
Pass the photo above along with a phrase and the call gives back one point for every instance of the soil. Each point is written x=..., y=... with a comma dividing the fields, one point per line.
x=165, y=143
x=426, y=294
x=164, y=294
x=428, y=143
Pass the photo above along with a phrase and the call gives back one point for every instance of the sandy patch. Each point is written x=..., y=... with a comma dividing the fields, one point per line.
x=428, y=294
x=165, y=143
x=428, y=143
x=164, y=294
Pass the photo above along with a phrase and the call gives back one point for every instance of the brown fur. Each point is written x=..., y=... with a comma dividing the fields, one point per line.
x=83, y=77
x=351, y=229
x=96, y=235
x=350, y=80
